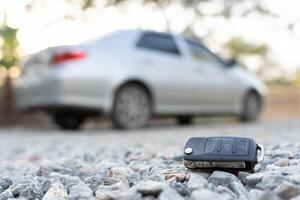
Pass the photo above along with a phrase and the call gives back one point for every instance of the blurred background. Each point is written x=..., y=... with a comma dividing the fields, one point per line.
x=263, y=35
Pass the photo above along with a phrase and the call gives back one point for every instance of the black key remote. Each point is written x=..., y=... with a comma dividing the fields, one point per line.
x=222, y=152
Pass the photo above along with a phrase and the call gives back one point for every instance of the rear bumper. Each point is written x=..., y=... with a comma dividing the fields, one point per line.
x=60, y=93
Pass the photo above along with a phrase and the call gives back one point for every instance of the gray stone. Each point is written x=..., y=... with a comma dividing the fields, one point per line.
x=178, y=158
x=6, y=195
x=295, y=178
x=89, y=157
x=56, y=192
x=170, y=194
x=255, y=193
x=123, y=195
x=180, y=188
x=206, y=194
x=294, y=162
x=66, y=180
x=134, y=178
x=287, y=190
x=296, y=155
x=196, y=181
x=230, y=181
x=156, y=177
x=45, y=183
x=222, y=178
x=151, y=188
x=110, y=181
x=149, y=198
x=44, y=171
x=80, y=191
x=267, y=195
x=296, y=198
x=222, y=189
x=211, y=186
x=94, y=181
x=273, y=168
x=64, y=169
x=270, y=182
x=112, y=191
x=27, y=187
x=282, y=162
x=116, y=194
x=238, y=188
x=242, y=175
x=259, y=167
x=120, y=173
x=250, y=179
x=279, y=153
x=290, y=170
x=5, y=183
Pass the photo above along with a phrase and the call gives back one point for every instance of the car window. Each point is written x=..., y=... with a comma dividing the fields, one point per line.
x=159, y=42
x=200, y=52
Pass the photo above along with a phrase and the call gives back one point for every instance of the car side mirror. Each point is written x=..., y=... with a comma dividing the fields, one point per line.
x=231, y=62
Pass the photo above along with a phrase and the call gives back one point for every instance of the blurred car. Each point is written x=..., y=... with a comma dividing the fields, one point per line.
x=133, y=75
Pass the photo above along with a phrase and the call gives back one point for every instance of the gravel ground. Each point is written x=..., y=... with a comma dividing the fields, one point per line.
x=143, y=164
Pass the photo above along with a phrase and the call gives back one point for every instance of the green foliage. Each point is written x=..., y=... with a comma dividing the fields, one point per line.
x=237, y=47
x=115, y=2
x=158, y=3
x=296, y=80
x=9, y=48
x=87, y=4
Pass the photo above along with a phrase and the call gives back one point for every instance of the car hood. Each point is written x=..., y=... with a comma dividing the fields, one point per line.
x=251, y=80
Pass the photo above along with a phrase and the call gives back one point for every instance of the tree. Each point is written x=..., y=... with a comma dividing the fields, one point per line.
x=297, y=78
x=237, y=47
x=10, y=44
x=9, y=58
x=240, y=49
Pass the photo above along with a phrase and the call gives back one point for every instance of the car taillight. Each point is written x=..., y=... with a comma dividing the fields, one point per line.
x=68, y=56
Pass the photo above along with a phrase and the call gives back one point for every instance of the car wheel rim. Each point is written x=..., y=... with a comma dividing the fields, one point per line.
x=251, y=106
x=133, y=108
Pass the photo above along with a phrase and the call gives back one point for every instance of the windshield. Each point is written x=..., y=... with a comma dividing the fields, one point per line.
x=200, y=51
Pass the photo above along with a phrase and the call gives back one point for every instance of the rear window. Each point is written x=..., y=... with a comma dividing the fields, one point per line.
x=159, y=42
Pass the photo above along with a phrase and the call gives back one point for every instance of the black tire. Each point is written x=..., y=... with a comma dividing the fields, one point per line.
x=132, y=107
x=68, y=121
x=184, y=120
x=251, y=107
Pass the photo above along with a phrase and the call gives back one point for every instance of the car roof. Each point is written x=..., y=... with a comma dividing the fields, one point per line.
x=133, y=33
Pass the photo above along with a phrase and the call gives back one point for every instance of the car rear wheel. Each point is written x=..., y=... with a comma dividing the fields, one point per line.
x=68, y=121
x=132, y=107
x=251, y=107
x=184, y=120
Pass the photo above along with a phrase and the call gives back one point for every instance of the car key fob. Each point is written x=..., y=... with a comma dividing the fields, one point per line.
x=222, y=152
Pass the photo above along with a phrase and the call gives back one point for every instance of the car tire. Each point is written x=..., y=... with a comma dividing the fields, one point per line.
x=68, y=121
x=184, y=120
x=132, y=107
x=251, y=107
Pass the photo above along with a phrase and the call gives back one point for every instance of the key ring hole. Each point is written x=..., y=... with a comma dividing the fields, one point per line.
x=261, y=155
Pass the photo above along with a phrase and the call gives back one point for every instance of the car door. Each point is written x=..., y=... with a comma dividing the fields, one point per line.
x=161, y=61
x=216, y=90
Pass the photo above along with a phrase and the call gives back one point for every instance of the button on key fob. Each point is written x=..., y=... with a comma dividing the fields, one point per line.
x=222, y=152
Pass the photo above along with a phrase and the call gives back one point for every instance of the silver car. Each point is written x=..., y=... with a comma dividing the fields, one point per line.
x=131, y=76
